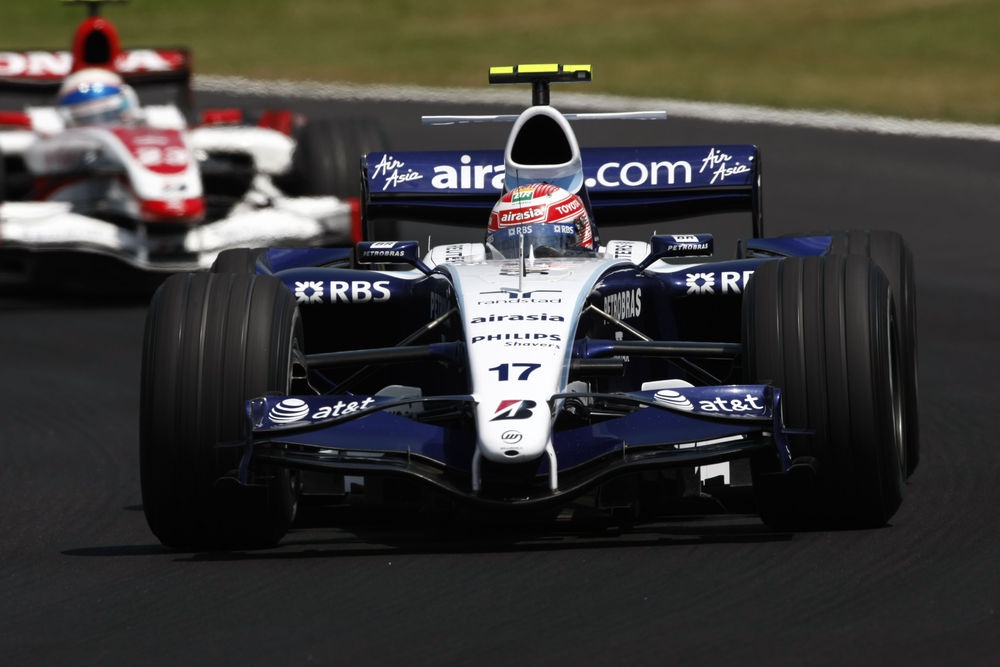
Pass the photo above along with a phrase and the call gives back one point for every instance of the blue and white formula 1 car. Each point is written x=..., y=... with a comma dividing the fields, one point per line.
x=510, y=375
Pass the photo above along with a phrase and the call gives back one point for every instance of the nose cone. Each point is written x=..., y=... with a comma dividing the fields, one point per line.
x=513, y=430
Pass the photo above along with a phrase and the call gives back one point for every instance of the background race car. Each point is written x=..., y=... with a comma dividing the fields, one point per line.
x=161, y=186
x=543, y=363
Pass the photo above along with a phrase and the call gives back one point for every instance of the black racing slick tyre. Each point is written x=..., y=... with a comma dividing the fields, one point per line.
x=824, y=331
x=889, y=251
x=327, y=157
x=237, y=260
x=212, y=341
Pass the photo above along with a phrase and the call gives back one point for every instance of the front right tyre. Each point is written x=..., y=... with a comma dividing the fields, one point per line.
x=212, y=341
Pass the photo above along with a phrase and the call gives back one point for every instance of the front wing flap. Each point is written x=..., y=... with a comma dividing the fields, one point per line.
x=687, y=426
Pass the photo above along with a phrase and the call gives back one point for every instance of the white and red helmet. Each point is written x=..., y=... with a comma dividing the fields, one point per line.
x=547, y=219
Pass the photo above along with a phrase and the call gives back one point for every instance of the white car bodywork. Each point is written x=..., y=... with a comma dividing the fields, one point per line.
x=136, y=193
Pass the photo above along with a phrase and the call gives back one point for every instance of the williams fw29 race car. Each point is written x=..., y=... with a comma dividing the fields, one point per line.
x=544, y=365
x=102, y=154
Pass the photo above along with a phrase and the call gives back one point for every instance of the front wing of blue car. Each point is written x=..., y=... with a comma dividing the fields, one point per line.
x=641, y=430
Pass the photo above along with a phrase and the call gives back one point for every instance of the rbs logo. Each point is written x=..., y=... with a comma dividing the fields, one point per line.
x=342, y=291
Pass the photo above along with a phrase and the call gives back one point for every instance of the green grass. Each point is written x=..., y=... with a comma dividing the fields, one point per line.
x=910, y=58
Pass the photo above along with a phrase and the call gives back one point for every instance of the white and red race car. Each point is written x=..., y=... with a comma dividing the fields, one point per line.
x=171, y=189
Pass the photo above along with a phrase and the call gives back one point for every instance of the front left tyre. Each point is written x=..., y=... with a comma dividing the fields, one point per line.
x=212, y=341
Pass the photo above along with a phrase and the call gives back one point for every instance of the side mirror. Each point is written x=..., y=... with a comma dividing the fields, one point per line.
x=389, y=252
x=663, y=246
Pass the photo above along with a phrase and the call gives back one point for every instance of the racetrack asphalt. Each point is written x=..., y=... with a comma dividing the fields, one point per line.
x=84, y=582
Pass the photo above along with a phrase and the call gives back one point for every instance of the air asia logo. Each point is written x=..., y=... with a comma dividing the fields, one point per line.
x=609, y=175
x=521, y=215
x=391, y=169
x=517, y=409
x=539, y=317
x=342, y=291
x=718, y=164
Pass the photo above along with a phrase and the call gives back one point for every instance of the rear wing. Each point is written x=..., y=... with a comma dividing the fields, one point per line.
x=37, y=74
x=625, y=185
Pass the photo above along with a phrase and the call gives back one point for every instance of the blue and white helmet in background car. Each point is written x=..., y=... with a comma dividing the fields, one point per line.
x=96, y=96
x=549, y=220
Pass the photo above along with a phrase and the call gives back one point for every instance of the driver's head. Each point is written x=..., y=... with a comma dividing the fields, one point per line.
x=550, y=221
x=95, y=96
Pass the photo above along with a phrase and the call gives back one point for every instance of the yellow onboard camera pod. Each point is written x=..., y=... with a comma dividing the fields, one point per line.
x=540, y=76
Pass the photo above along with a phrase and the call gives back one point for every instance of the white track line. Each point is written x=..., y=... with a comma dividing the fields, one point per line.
x=731, y=113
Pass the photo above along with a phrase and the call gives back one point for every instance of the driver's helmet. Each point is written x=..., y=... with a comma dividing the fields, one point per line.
x=548, y=220
x=96, y=96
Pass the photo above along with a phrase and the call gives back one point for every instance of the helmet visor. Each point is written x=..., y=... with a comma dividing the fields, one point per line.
x=539, y=239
